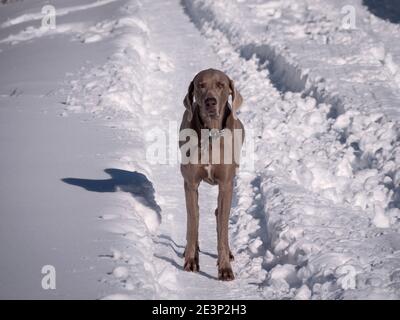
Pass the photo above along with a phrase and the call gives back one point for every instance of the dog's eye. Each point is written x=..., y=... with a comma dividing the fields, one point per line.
x=220, y=85
x=202, y=85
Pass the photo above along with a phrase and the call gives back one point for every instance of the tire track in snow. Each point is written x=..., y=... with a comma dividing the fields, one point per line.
x=28, y=17
x=137, y=91
x=163, y=107
x=313, y=239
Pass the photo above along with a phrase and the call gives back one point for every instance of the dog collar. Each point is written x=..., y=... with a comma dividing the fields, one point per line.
x=215, y=133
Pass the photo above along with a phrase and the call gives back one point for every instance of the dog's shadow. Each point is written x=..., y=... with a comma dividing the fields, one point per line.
x=134, y=183
x=179, y=250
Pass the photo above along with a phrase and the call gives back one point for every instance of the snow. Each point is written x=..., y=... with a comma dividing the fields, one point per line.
x=316, y=211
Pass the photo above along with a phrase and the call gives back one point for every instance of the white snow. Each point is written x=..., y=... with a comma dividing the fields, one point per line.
x=315, y=217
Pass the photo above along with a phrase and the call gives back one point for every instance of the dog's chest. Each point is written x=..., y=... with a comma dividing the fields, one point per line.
x=211, y=149
x=208, y=174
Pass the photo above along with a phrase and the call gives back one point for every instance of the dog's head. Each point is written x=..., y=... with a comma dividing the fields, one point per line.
x=210, y=89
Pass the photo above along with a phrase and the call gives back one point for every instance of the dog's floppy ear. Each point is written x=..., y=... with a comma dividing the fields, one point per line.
x=188, y=101
x=236, y=99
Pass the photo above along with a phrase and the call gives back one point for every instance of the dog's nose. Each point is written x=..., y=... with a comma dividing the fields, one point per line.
x=210, y=102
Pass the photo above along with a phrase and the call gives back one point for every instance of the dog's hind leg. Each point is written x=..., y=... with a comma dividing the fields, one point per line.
x=231, y=256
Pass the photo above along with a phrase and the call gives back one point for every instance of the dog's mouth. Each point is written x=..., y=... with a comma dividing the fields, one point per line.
x=211, y=107
x=214, y=115
x=210, y=113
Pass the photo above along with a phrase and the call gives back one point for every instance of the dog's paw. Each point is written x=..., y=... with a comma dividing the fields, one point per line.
x=225, y=274
x=191, y=265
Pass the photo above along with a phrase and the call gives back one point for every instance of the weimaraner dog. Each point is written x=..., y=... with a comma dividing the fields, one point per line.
x=208, y=110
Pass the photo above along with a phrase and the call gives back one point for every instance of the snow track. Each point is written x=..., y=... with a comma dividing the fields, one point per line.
x=192, y=55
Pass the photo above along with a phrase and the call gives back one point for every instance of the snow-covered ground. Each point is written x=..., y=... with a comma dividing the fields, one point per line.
x=317, y=217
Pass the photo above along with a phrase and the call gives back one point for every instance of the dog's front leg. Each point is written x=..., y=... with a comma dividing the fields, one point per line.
x=192, y=229
x=224, y=207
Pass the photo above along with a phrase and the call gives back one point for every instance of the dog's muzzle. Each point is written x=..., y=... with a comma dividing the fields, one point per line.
x=211, y=105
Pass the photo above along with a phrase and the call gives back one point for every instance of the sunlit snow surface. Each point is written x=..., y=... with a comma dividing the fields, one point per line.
x=316, y=217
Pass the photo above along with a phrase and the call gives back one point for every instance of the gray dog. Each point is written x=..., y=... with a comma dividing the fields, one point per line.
x=208, y=109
